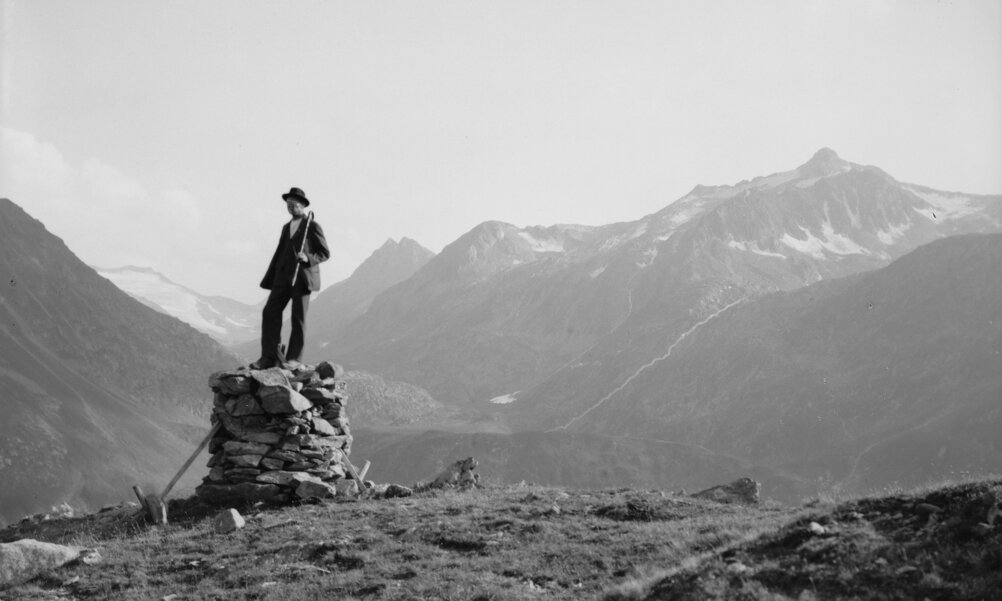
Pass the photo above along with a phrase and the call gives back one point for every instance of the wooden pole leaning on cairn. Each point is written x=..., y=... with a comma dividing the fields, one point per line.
x=154, y=506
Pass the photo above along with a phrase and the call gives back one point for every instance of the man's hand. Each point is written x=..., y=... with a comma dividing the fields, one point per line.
x=303, y=258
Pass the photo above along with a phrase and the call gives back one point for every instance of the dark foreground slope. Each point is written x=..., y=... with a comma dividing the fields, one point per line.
x=524, y=542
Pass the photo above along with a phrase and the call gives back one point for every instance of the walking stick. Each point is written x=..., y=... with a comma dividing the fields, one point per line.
x=302, y=247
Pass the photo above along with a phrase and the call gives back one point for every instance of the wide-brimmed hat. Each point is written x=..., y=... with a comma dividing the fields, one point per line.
x=297, y=194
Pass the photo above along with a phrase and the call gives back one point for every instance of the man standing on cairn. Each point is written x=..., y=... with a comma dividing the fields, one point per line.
x=294, y=273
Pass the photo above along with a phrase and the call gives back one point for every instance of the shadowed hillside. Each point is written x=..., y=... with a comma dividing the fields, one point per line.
x=99, y=391
x=888, y=376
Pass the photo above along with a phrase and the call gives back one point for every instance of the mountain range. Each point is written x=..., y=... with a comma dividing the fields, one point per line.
x=560, y=316
x=827, y=327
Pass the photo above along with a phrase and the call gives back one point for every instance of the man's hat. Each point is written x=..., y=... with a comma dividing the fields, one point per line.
x=297, y=194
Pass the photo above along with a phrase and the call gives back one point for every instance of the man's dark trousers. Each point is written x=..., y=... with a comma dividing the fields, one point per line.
x=271, y=326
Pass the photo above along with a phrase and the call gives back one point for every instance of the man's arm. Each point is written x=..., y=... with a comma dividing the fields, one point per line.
x=317, y=247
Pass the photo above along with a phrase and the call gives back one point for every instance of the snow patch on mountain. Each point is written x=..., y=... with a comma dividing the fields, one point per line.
x=506, y=399
x=597, y=272
x=648, y=257
x=854, y=216
x=610, y=244
x=640, y=231
x=838, y=244
x=170, y=299
x=753, y=247
x=200, y=312
x=893, y=233
x=685, y=215
x=543, y=245
x=947, y=206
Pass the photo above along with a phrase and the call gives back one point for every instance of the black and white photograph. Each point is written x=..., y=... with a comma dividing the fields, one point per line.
x=493, y=300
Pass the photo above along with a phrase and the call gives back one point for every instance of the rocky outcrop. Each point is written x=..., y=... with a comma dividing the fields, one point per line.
x=283, y=434
x=742, y=490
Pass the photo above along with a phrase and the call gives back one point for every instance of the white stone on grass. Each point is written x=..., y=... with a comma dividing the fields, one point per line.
x=228, y=521
x=27, y=558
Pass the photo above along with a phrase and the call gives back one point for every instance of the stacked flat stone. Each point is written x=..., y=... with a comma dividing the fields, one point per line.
x=282, y=435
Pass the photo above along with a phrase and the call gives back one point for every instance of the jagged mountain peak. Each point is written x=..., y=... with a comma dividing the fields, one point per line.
x=393, y=251
x=825, y=154
x=406, y=242
x=488, y=248
x=493, y=228
x=496, y=245
x=825, y=162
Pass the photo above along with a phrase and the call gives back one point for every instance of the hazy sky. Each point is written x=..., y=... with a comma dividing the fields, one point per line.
x=163, y=133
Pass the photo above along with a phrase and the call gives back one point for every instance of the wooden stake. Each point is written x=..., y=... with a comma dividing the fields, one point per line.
x=188, y=463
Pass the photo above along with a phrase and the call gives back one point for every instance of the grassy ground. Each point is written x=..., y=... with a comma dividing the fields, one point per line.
x=520, y=542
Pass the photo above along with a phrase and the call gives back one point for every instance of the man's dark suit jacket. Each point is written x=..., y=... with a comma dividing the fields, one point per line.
x=283, y=263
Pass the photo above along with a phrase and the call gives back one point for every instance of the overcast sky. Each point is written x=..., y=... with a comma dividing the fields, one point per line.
x=163, y=134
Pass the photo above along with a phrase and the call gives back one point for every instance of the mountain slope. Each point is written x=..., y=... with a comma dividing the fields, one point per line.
x=887, y=376
x=100, y=391
x=489, y=308
x=224, y=319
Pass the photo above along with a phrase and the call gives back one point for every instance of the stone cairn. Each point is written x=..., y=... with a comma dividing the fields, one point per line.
x=282, y=435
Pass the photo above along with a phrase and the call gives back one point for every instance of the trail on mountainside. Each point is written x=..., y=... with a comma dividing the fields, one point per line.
x=650, y=364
